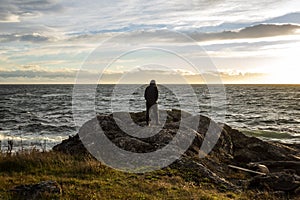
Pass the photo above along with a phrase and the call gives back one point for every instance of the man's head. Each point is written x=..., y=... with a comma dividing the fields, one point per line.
x=152, y=82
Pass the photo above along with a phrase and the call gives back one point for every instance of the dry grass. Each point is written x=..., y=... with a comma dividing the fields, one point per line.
x=86, y=178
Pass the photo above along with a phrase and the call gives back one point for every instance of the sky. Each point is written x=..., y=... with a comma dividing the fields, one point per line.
x=134, y=41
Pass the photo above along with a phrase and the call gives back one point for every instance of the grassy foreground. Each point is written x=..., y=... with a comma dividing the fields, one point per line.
x=85, y=178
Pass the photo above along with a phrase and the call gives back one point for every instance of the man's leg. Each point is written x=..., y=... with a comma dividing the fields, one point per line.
x=155, y=110
x=147, y=112
x=153, y=113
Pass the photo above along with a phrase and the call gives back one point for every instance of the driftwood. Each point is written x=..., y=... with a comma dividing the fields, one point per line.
x=246, y=170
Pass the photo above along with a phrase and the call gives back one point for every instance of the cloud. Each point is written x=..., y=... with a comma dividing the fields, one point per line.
x=145, y=75
x=32, y=37
x=29, y=73
x=250, y=47
x=257, y=31
x=62, y=33
x=227, y=77
x=15, y=10
x=33, y=71
x=162, y=36
x=287, y=18
x=135, y=76
x=172, y=15
x=182, y=77
x=165, y=36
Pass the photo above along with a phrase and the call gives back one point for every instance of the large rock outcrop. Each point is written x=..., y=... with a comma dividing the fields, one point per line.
x=232, y=148
x=109, y=125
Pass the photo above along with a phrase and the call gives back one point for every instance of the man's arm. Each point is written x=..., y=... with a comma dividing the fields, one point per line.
x=145, y=93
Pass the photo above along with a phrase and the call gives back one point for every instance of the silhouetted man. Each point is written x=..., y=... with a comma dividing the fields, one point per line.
x=151, y=96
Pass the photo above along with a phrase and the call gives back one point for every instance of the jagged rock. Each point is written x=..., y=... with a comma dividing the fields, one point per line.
x=297, y=191
x=37, y=191
x=198, y=172
x=279, y=181
x=132, y=144
x=72, y=145
x=277, y=166
x=250, y=149
x=232, y=146
x=175, y=115
x=109, y=124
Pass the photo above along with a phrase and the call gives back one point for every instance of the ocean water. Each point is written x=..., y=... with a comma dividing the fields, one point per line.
x=40, y=116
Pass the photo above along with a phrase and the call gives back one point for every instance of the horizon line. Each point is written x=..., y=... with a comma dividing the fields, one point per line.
x=148, y=83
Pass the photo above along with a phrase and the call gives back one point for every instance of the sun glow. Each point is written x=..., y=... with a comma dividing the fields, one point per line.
x=286, y=70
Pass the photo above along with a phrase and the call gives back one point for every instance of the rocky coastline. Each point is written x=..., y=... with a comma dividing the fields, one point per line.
x=236, y=162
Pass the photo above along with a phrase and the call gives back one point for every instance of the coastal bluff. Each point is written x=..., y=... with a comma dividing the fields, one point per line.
x=257, y=164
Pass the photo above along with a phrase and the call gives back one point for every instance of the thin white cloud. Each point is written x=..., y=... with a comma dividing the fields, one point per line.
x=32, y=37
x=257, y=31
x=16, y=10
x=33, y=71
x=164, y=36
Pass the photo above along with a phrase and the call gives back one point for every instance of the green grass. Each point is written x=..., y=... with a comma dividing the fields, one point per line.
x=86, y=178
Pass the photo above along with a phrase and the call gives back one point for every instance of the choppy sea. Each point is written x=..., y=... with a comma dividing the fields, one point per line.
x=40, y=116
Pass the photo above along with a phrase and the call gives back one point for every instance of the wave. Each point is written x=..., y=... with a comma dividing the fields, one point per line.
x=41, y=127
x=272, y=135
x=54, y=95
x=10, y=121
x=27, y=142
x=31, y=138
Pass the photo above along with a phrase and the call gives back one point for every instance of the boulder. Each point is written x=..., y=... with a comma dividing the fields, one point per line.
x=250, y=149
x=278, y=166
x=37, y=191
x=279, y=181
x=259, y=167
x=72, y=145
x=109, y=125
